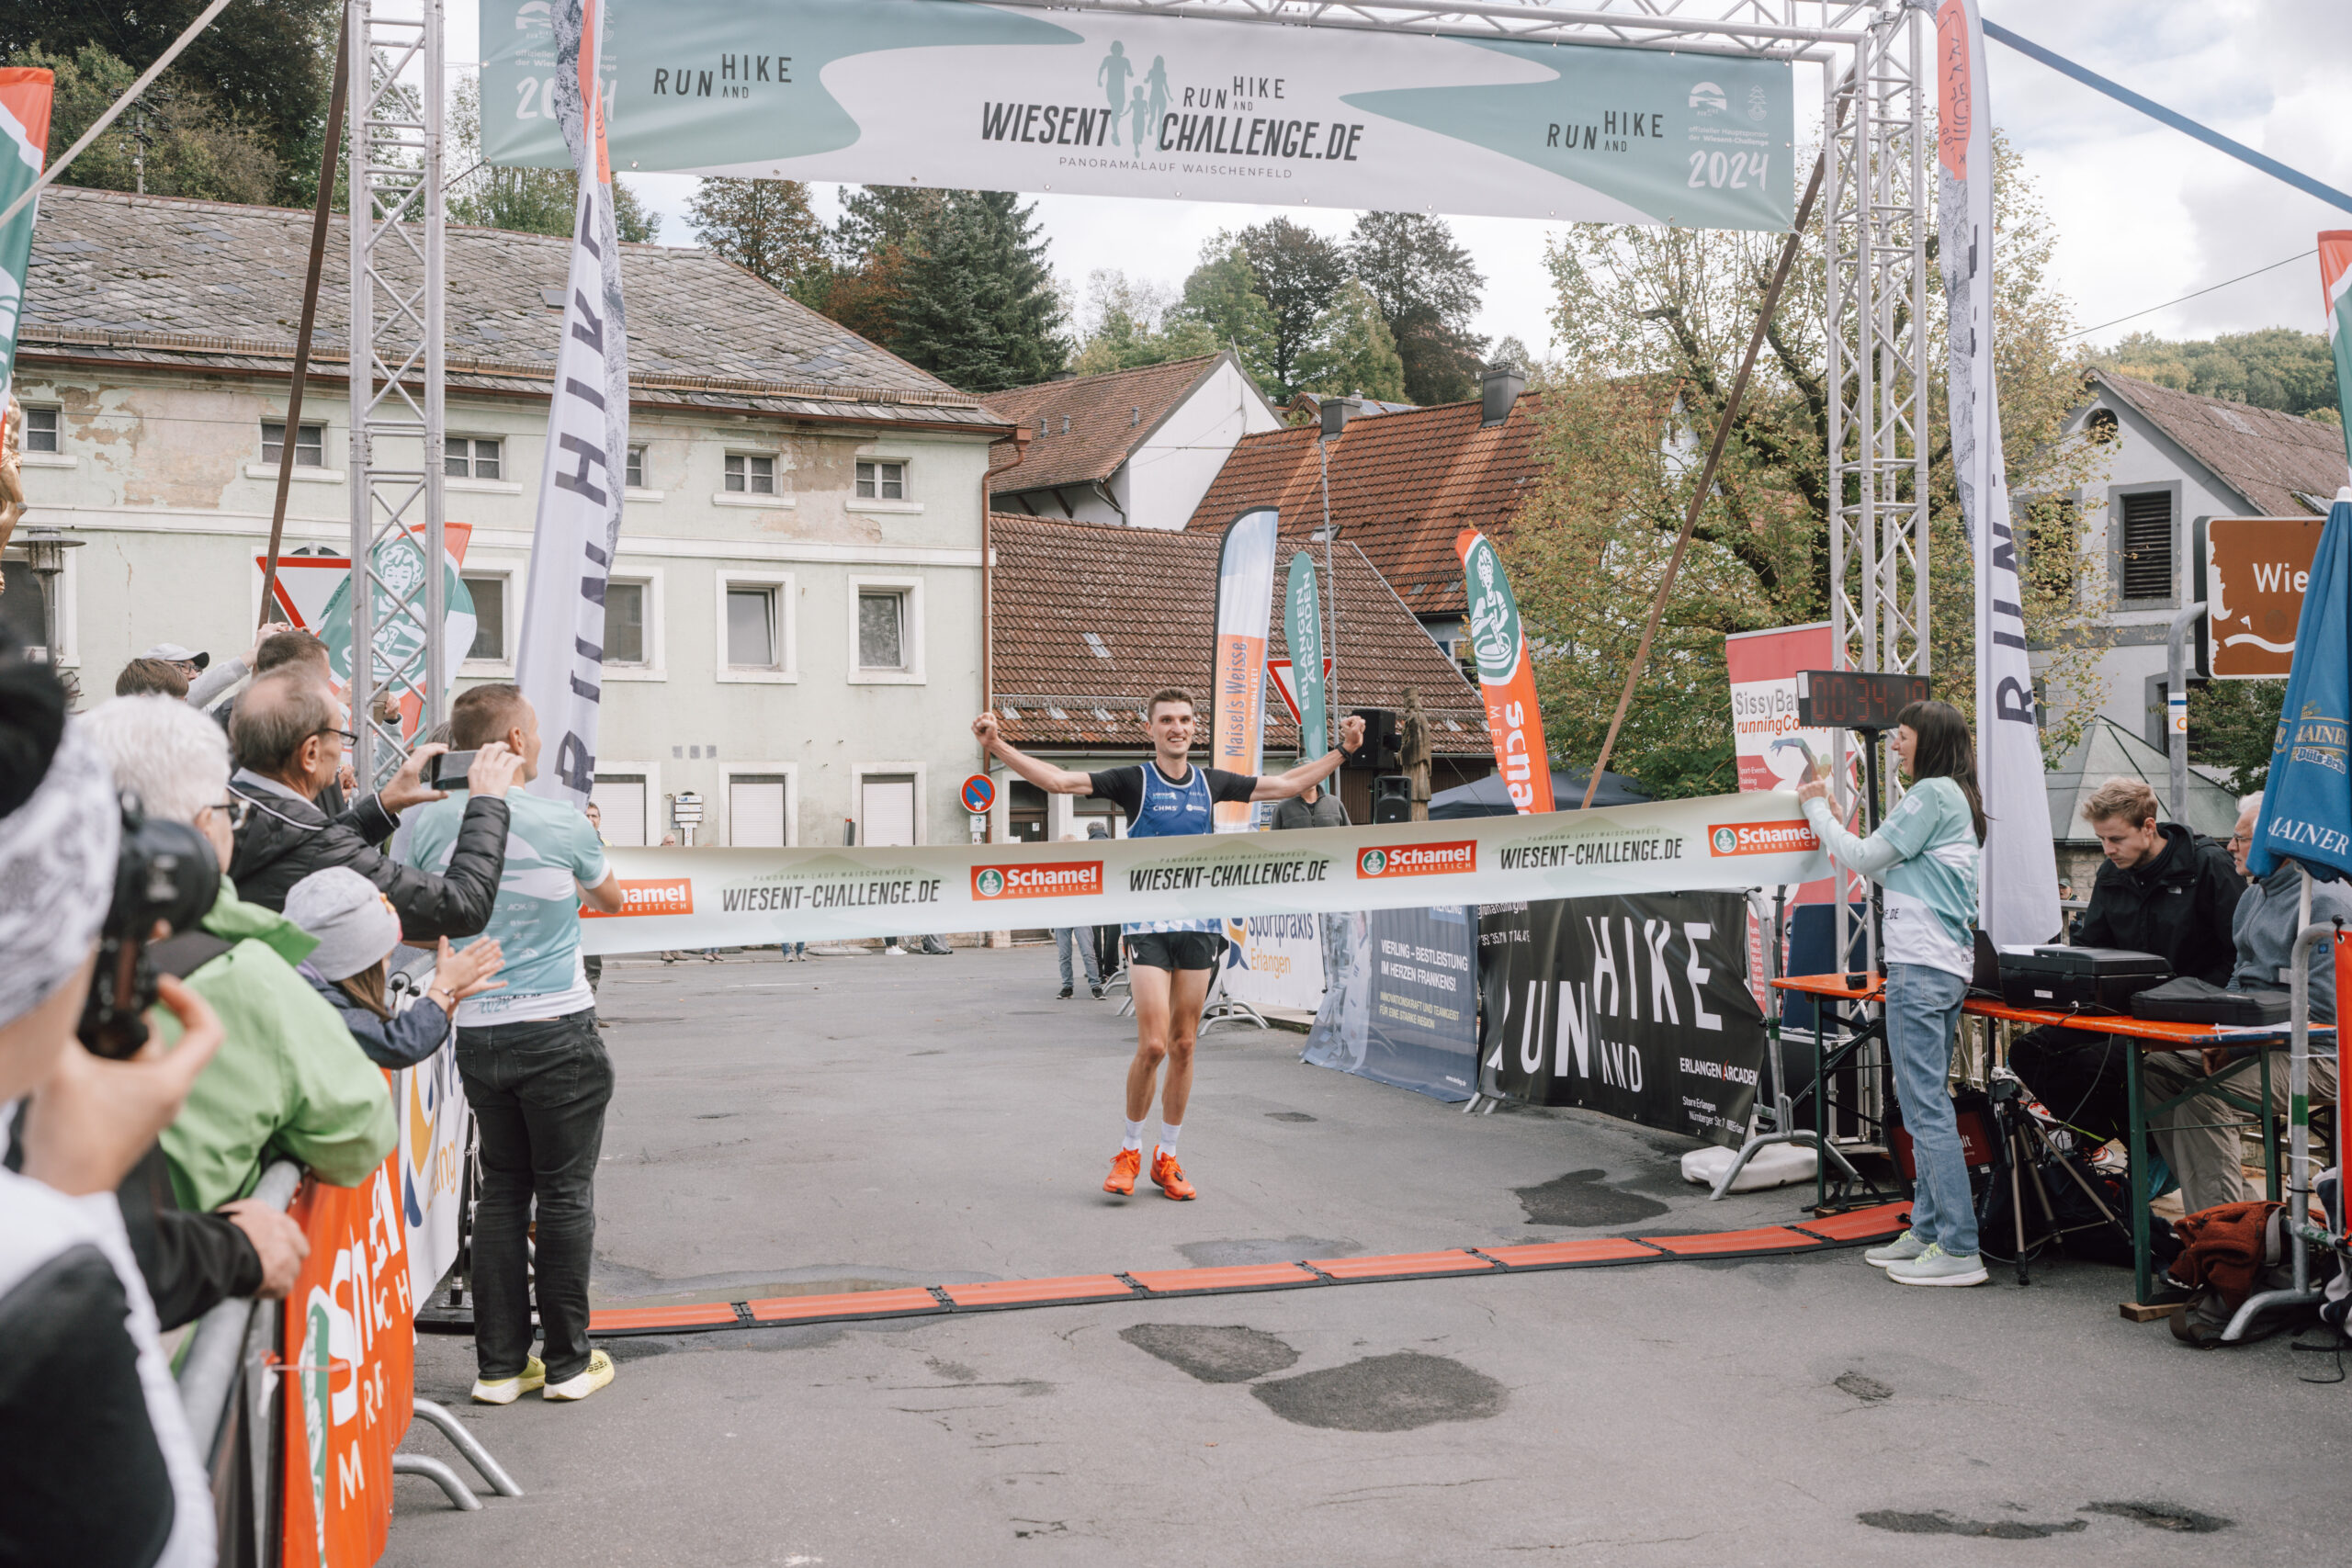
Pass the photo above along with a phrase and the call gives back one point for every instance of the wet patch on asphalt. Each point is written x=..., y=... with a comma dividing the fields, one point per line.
x=1579, y=1199
x=1385, y=1394
x=1870, y=1391
x=2162, y=1516
x=1242, y=1252
x=1941, y=1523
x=1288, y=1116
x=1212, y=1355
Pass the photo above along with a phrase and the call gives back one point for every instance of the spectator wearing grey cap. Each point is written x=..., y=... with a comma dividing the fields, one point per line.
x=357, y=930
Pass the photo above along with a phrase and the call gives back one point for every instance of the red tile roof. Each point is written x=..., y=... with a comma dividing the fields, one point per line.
x=1089, y=618
x=1088, y=425
x=2273, y=459
x=1402, y=485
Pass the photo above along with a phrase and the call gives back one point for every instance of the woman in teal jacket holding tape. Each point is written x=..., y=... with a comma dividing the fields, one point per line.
x=1925, y=855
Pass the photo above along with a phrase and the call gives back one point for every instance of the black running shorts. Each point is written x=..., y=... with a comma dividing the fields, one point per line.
x=1175, y=950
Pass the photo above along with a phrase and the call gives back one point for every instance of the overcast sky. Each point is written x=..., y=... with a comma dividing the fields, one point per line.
x=2144, y=213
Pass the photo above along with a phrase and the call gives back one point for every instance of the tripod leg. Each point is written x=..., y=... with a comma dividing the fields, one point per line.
x=2016, y=1207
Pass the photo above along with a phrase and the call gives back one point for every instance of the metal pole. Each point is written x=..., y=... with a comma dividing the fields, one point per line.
x=330, y=150
x=2176, y=705
x=1707, y=474
x=436, y=589
x=216, y=1347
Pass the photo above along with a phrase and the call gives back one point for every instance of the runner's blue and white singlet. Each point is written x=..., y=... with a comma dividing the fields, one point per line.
x=1171, y=811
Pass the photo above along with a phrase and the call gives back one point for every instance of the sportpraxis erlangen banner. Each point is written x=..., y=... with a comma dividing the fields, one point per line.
x=686, y=898
x=949, y=93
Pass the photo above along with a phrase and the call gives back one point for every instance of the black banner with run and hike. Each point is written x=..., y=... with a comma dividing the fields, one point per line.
x=1638, y=1008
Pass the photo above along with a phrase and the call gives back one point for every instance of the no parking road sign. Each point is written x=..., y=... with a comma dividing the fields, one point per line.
x=980, y=794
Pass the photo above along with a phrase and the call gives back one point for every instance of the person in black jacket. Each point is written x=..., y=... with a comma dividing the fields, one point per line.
x=2164, y=890
x=288, y=746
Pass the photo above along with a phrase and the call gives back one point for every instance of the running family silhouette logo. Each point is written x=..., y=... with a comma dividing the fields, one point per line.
x=1064, y=879
x=650, y=896
x=1761, y=839
x=1419, y=859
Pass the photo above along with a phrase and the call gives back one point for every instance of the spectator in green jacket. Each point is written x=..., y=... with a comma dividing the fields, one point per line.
x=288, y=1079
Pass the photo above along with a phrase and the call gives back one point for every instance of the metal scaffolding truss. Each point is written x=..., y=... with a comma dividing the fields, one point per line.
x=397, y=238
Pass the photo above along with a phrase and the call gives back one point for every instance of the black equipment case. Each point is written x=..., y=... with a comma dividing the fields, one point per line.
x=2191, y=1000
x=2079, y=979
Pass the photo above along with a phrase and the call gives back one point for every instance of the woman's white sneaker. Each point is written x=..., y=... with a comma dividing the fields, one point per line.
x=1901, y=1249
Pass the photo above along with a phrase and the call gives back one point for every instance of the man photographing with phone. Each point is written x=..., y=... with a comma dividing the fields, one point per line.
x=535, y=1071
x=1169, y=962
x=289, y=742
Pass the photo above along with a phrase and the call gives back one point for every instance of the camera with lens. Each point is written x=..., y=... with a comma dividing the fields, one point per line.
x=166, y=872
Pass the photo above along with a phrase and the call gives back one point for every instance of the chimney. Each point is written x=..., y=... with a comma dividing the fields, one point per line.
x=1336, y=413
x=1498, y=388
x=1063, y=376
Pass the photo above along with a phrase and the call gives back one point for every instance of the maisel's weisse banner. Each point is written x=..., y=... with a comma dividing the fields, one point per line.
x=948, y=94
x=1245, y=585
x=688, y=898
x=1403, y=1010
x=1637, y=1008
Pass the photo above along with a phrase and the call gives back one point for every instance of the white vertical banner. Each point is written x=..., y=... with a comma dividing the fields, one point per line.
x=560, y=665
x=1245, y=612
x=2018, y=888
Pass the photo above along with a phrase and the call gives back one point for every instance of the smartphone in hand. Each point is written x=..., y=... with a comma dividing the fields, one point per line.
x=449, y=769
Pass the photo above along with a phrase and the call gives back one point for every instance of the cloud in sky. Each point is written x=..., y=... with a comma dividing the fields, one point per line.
x=2144, y=214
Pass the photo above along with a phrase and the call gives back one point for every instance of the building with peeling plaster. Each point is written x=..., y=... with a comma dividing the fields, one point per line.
x=795, y=628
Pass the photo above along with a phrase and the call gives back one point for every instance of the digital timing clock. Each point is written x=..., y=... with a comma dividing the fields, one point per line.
x=1855, y=699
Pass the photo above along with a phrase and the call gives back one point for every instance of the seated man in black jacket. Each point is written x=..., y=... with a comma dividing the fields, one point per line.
x=2163, y=890
x=288, y=746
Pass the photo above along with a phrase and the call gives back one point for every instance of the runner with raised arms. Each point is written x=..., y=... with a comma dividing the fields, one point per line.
x=1169, y=962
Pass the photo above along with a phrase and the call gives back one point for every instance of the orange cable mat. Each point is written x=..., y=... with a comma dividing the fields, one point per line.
x=1878, y=1223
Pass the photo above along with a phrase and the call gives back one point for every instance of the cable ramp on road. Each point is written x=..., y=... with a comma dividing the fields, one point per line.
x=1859, y=1227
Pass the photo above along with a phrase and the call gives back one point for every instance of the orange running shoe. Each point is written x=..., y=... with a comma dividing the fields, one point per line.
x=1125, y=1165
x=1167, y=1176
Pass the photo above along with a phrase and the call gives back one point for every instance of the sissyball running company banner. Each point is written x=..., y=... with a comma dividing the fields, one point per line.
x=948, y=93
x=689, y=898
x=1636, y=1007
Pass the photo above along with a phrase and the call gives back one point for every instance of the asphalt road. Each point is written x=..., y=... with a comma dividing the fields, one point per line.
x=863, y=1121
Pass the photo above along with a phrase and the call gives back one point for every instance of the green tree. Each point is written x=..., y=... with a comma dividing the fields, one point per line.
x=263, y=67
x=1223, y=295
x=174, y=141
x=1297, y=271
x=979, y=309
x=1652, y=323
x=766, y=228
x=881, y=227
x=2274, y=367
x=1132, y=323
x=2232, y=725
x=1352, y=352
x=1428, y=288
x=531, y=201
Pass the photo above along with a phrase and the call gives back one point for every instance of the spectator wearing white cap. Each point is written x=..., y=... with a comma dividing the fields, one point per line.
x=357, y=929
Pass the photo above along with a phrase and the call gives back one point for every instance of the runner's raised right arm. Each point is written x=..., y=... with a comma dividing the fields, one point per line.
x=1044, y=775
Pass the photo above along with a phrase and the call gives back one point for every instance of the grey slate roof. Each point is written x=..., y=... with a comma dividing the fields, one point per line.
x=2274, y=460
x=211, y=285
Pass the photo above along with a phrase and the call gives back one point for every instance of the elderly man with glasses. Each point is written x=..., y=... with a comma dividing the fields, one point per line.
x=2199, y=1139
x=288, y=738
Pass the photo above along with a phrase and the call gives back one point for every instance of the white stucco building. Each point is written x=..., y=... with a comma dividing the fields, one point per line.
x=795, y=630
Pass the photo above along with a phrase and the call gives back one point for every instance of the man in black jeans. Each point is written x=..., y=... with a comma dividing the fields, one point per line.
x=535, y=1071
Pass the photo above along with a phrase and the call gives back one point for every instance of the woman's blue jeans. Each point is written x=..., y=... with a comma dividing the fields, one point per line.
x=1922, y=1022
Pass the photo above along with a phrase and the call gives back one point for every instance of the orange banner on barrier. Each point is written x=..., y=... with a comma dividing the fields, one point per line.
x=349, y=1371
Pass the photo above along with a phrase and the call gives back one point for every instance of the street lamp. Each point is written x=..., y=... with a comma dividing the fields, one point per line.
x=45, y=549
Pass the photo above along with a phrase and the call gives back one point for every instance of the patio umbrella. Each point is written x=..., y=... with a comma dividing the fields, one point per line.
x=2307, y=804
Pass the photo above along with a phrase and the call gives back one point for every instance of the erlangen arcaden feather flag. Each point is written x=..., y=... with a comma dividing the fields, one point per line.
x=560, y=665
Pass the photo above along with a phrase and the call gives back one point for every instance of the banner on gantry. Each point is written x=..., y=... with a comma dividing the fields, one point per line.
x=948, y=94
x=2017, y=892
x=1245, y=586
x=559, y=661
x=692, y=898
x=1637, y=1007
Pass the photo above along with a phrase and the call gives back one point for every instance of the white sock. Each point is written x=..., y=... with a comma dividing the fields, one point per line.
x=1134, y=1136
x=1168, y=1130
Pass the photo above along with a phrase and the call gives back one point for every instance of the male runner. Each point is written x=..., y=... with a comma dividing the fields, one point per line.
x=1169, y=962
